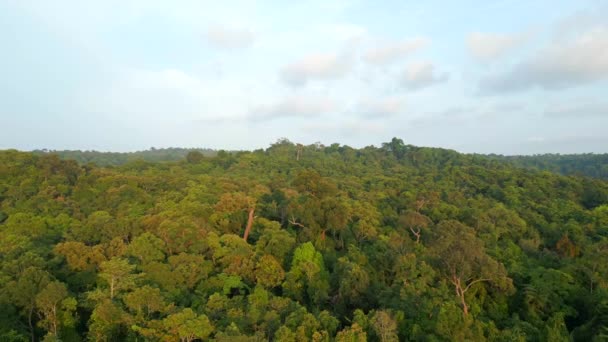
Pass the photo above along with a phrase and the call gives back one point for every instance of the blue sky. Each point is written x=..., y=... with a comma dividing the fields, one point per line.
x=509, y=77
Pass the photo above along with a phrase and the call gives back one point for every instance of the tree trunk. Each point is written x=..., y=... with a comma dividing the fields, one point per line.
x=460, y=293
x=54, y=322
x=29, y=321
x=249, y=223
x=416, y=234
x=465, y=307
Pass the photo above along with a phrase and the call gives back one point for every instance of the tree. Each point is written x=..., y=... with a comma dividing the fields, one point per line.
x=118, y=275
x=556, y=330
x=25, y=290
x=384, y=326
x=235, y=256
x=415, y=222
x=194, y=157
x=181, y=234
x=594, y=266
x=566, y=247
x=106, y=319
x=354, y=280
x=461, y=257
x=186, y=326
x=269, y=272
x=284, y=334
x=396, y=147
x=232, y=204
x=147, y=248
x=187, y=270
x=144, y=302
x=274, y=241
x=307, y=280
x=79, y=256
x=99, y=226
x=354, y=333
x=55, y=308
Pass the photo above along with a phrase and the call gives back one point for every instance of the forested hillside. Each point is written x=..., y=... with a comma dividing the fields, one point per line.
x=120, y=158
x=301, y=243
x=590, y=165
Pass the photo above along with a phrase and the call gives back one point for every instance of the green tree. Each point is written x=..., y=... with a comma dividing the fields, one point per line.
x=269, y=272
x=56, y=308
x=415, y=222
x=25, y=290
x=186, y=326
x=463, y=262
x=307, y=279
x=354, y=333
x=118, y=275
x=147, y=248
x=144, y=302
x=194, y=157
x=384, y=326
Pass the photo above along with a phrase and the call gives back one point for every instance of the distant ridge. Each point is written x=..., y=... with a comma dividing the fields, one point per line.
x=587, y=164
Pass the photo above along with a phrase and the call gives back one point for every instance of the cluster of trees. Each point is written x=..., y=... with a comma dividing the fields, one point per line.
x=170, y=154
x=589, y=164
x=301, y=243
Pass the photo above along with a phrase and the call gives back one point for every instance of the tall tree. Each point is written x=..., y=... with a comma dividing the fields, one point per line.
x=415, y=222
x=55, y=308
x=462, y=259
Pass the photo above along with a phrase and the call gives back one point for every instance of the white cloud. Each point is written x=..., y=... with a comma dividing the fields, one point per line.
x=488, y=47
x=469, y=113
x=167, y=95
x=566, y=143
x=507, y=107
x=447, y=116
x=343, y=32
x=420, y=75
x=566, y=62
x=576, y=109
x=315, y=67
x=292, y=107
x=229, y=38
x=535, y=139
x=380, y=108
x=166, y=78
x=346, y=129
x=390, y=52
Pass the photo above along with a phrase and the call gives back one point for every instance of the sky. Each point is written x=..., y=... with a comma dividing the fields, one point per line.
x=505, y=77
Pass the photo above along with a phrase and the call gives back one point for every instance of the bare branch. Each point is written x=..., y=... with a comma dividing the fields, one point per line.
x=474, y=282
x=292, y=221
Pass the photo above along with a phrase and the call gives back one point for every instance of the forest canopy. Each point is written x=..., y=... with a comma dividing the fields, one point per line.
x=589, y=164
x=303, y=243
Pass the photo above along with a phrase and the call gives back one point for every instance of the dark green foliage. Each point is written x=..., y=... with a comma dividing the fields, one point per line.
x=589, y=164
x=382, y=244
x=121, y=158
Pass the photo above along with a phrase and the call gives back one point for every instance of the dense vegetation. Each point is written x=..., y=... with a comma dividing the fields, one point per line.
x=591, y=165
x=121, y=158
x=301, y=243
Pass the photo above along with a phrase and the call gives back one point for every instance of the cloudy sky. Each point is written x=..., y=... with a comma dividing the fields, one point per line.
x=510, y=77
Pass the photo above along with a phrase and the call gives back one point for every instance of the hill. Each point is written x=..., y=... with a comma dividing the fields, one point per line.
x=120, y=158
x=301, y=243
x=589, y=165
